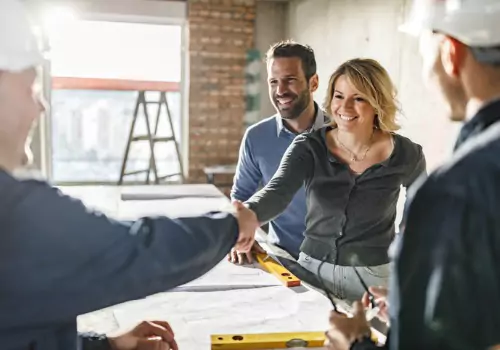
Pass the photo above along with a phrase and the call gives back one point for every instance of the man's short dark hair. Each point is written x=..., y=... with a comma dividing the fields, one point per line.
x=290, y=48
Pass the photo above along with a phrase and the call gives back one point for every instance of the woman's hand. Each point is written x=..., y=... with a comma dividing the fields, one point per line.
x=247, y=224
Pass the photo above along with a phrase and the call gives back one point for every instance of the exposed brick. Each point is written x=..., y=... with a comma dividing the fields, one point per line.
x=220, y=34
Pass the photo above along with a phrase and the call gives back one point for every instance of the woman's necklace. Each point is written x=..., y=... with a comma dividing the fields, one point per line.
x=354, y=158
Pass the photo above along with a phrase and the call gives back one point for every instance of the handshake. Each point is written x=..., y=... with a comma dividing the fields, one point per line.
x=247, y=225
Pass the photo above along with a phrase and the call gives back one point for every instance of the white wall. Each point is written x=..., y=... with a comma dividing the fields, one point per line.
x=342, y=29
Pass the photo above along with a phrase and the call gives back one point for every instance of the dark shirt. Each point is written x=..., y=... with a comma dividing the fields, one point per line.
x=59, y=260
x=350, y=218
x=446, y=288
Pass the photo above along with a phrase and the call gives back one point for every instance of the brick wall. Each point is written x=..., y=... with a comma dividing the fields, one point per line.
x=220, y=33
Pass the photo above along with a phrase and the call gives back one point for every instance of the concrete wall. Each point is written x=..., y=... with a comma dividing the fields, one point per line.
x=342, y=29
x=270, y=27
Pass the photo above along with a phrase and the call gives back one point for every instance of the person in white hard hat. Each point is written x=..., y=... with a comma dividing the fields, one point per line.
x=446, y=289
x=58, y=259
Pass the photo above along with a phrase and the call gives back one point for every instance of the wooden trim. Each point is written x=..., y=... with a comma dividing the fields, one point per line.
x=67, y=83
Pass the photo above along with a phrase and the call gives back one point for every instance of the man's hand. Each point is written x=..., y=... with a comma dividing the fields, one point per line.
x=380, y=294
x=346, y=330
x=248, y=224
x=240, y=258
x=155, y=335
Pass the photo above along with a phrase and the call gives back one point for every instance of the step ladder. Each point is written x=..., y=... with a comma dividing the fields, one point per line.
x=152, y=138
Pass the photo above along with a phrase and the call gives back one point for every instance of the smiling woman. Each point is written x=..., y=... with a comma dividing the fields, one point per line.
x=365, y=80
x=352, y=170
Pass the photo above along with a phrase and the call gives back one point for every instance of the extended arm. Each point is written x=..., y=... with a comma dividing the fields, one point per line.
x=64, y=260
x=296, y=164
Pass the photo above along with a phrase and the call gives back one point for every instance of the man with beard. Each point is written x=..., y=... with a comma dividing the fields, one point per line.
x=447, y=261
x=292, y=80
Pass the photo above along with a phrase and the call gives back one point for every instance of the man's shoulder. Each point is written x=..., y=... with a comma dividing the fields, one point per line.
x=264, y=127
x=476, y=158
x=473, y=172
x=12, y=186
x=17, y=194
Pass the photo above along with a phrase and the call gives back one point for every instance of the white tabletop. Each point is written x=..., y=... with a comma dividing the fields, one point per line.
x=228, y=300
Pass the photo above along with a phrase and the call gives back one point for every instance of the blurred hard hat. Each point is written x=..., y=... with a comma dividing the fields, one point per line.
x=18, y=45
x=476, y=23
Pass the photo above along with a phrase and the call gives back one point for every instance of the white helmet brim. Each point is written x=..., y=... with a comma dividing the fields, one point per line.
x=19, y=48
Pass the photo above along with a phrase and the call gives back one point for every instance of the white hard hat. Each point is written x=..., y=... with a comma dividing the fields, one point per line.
x=476, y=23
x=18, y=46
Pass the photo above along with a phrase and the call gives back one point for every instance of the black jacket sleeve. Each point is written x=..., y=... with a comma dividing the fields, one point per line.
x=94, y=341
x=61, y=260
x=447, y=277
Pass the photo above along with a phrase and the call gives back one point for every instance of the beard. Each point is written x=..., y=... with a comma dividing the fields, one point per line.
x=299, y=104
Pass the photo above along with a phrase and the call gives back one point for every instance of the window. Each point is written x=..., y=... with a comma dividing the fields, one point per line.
x=97, y=68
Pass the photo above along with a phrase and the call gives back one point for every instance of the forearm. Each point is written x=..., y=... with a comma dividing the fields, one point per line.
x=269, y=202
x=294, y=168
x=106, y=262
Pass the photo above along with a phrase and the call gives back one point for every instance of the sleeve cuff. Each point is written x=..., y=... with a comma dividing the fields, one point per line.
x=94, y=341
x=365, y=344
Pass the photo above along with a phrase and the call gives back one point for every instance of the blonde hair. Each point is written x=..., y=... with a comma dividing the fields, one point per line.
x=374, y=84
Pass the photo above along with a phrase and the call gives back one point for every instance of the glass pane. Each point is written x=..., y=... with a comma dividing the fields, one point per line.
x=90, y=127
x=90, y=130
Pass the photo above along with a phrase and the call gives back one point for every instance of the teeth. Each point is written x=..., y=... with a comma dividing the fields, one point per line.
x=346, y=118
x=285, y=101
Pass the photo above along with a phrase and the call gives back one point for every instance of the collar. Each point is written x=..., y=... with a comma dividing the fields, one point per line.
x=385, y=163
x=319, y=122
x=484, y=118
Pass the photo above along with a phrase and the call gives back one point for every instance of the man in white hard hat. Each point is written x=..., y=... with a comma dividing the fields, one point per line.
x=59, y=260
x=446, y=289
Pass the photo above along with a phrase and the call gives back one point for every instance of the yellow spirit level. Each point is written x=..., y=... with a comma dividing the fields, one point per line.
x=272, y=266
x=268, y=340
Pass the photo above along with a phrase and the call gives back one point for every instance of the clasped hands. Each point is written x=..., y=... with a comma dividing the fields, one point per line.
x=247, y=224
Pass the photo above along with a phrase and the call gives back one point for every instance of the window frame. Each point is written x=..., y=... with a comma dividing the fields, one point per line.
x=45, y=125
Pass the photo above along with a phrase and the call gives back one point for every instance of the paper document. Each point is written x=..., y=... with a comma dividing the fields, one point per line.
x=195, y=316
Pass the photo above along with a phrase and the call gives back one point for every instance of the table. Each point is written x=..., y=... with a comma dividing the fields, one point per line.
x=228, y=300
x=211, y=171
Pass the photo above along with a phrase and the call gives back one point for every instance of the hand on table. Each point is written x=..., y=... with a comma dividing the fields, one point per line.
x=247, y=224
x=154, y=335
x=241, y=258
x=345, y=330
x=380, y=294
